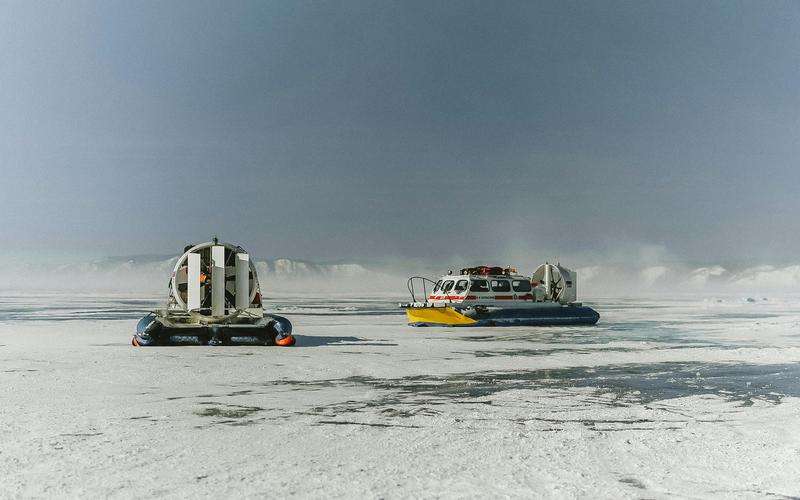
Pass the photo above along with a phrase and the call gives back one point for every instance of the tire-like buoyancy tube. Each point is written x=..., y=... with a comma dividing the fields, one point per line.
x=150, y=332
x=145, y=331
x=282, y=330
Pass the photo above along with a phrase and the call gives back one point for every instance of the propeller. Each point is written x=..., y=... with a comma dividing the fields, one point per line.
x=557, y=287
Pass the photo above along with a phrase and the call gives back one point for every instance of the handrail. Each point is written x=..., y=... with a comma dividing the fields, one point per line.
x=411, y=289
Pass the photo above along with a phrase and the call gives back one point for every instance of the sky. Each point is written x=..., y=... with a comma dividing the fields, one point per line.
x=358, y=130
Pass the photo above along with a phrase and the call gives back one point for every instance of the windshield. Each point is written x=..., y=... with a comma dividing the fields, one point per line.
x=479, y=286
x=501, y=286
x=521, y=285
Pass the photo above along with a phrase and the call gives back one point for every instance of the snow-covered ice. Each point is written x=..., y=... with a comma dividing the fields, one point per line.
x=687, y=397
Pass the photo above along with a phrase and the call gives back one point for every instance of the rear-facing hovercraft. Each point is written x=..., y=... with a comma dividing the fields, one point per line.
x=495, y=296
x=214, y=299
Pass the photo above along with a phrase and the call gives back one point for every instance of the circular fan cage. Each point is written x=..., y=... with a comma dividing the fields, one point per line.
x=557, y=283
x=178, y=283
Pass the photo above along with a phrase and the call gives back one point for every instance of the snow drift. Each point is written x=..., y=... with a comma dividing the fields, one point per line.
x=151, y=274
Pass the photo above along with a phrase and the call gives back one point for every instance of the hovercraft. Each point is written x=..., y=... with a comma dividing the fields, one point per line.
x=496, y=296
x=214, y=299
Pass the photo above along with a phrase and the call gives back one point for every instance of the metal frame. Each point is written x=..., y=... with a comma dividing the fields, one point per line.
x=176, y=296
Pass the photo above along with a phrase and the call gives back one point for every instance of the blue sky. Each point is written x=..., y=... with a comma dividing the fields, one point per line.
x=366, y=130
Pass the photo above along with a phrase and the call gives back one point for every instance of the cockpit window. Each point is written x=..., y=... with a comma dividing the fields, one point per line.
x=501, y=286
x=437, y=287
x=479, y=286
x=461, y=286
x=448, y=285
x=521, y=285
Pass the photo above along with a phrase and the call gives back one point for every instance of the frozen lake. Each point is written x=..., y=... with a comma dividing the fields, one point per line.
x=686, y=397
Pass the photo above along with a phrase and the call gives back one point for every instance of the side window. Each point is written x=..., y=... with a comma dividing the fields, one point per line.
x=521, y=285
x=501, y=286
x=437, y=287
x=448, y=285
x=479, y=286
x=460, y=286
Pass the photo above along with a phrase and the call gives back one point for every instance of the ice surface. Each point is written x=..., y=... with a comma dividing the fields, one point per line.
x=695, y=397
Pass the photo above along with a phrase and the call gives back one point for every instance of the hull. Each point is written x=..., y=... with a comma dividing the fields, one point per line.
x=155, y=330
x=538, y=316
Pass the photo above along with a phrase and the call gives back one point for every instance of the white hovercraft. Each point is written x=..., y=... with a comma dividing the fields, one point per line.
x=495, y=296
x=214, y=299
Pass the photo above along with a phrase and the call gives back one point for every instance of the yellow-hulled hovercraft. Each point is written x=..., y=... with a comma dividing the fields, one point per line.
x=496, y=296
x=214, y=299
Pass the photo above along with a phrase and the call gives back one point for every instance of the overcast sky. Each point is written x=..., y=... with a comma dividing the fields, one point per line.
x=360, y=130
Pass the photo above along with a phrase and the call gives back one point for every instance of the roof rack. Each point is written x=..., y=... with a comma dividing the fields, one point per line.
x=488, y=271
